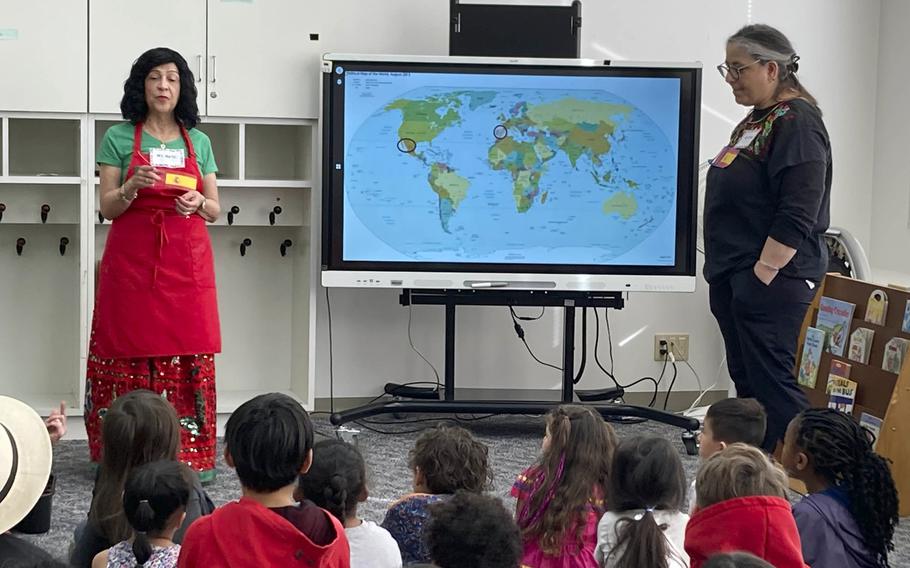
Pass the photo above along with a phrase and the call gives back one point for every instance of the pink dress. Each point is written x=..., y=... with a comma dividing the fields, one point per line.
x=570, y=556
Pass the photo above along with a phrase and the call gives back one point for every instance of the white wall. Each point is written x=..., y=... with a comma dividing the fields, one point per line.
x=890, y=192
x=836, y=39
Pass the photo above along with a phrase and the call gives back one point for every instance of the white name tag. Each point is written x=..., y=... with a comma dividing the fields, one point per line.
x=747, y=138
x=164, y=158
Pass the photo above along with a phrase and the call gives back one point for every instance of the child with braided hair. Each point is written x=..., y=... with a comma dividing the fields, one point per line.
x=561, y=496
x=848, y=517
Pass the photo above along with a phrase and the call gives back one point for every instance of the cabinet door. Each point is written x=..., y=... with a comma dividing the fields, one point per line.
x=401, y=27
x=121, y=30
x=262, y=61
x=43, y=55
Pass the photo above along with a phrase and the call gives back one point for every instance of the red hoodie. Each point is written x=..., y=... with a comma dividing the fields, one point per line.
x=763, y=526
x=245, y=534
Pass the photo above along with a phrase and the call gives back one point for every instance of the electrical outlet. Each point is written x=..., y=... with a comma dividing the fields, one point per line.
x=679, y=341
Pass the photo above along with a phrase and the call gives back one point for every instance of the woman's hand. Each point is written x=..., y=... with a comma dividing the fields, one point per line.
x=143, y=176
x=764, y=273
x=56, y=423
x=189, y=203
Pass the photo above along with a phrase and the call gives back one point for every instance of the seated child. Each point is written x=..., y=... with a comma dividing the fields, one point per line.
x=736, y=560
x=848, y=517
x=471, y=530
x=269, y=441
x=154, y=501
x=444, y=460
x=729, y=421
x=337, y=483
x=561, y=496
x=140, y=427
x=742, y=506
x=644, y=525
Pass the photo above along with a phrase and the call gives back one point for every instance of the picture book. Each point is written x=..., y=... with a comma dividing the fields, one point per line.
x=812, y=355
x=839, y=370
x=843, y=394
x=860, y=345
x=873, y=424
x=834, y=317
x=905, y=327
x=895, y=350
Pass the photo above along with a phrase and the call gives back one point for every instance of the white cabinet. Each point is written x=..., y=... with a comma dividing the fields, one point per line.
x=122, y=30
x=43, y=55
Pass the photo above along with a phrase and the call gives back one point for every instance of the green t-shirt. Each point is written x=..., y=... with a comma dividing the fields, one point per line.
x=117, y=147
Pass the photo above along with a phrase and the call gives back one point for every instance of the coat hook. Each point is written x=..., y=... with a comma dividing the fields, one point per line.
x=285, y=246
x=100, y=217
x=63, y=242
x=20, y=244
x=45, y=209
x=243, y=244
x=233, y=211
x=2, y=209
x=276, y=210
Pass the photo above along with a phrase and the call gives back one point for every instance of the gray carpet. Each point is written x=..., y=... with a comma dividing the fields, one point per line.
x=513, y=441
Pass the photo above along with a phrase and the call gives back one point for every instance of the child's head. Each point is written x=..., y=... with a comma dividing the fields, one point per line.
x=736, y=560
x=269, y=441
x=732, y=420
x=337, y=480
x=471, y=530
x=154, y=501
x=830, y=446
x=647, y=473
x=448, y=458
x=739, y=470
x=140, y=427
x=573, y=468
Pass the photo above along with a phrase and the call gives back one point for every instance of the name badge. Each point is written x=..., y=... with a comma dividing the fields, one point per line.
x=165, y=158
x=725, y=157
x=747, y=138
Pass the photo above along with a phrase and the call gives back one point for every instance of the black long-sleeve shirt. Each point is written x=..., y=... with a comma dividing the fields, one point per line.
x=778, y=186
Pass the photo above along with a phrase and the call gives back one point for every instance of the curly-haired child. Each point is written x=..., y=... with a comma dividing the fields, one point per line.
x=849, y=515
x=561, y=496
x=444, y=460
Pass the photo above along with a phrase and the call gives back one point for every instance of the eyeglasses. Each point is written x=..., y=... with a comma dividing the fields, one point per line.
x=734, y=72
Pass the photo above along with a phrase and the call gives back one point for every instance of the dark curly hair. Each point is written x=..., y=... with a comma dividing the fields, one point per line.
x=646, y=474
x=133, y=105
x=337, y=478
x=840, y=451
x=570, y=473
x=471, y=530
x=450, y=458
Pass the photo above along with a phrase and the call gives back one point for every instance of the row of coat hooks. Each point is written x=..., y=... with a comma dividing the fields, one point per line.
x=44, y=211
x=282, y=248
x=21, y=242
x=232, y=212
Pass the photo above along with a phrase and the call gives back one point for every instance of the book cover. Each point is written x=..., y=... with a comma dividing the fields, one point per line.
x=873, y=424
x=843, y=394
x=860, y=345
x=839, y=370
x=834, y=317
x=905, y=327
x=812, y=355
x=877, y=307
x=895, y=350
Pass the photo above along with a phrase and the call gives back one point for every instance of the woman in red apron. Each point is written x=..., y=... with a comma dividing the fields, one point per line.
x=155, y=324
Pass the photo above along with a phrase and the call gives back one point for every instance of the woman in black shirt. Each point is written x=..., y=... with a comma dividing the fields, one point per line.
x=766, y=212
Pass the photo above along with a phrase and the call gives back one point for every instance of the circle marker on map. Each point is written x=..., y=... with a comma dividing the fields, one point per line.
x=406, y=145
x=500, y=132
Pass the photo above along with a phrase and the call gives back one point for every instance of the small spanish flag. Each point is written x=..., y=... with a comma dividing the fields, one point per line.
x=725, y=157
x=180, y=180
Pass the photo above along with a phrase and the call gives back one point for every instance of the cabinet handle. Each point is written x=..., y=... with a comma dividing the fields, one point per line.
x=212, y=79
x=199, y=68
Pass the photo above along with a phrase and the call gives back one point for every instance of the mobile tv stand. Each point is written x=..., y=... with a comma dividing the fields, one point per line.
x=449, y=405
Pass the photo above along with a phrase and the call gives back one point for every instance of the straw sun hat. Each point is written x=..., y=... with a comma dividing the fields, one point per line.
x=25, y=460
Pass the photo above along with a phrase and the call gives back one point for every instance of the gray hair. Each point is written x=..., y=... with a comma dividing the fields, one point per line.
x=767, y=44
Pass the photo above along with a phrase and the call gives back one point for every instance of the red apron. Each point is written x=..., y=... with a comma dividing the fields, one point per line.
x=156, y=284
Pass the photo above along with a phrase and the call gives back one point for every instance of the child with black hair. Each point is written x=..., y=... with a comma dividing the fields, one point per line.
x=729, y=421
x=644, y=525
x=444, y=460
x=848, y=517
x=154, y=501
x=269, y=441
x=471, y=530
x=561, y=496
x=337, y=483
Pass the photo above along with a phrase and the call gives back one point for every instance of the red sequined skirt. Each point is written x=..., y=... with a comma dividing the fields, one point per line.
x=186, y=381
